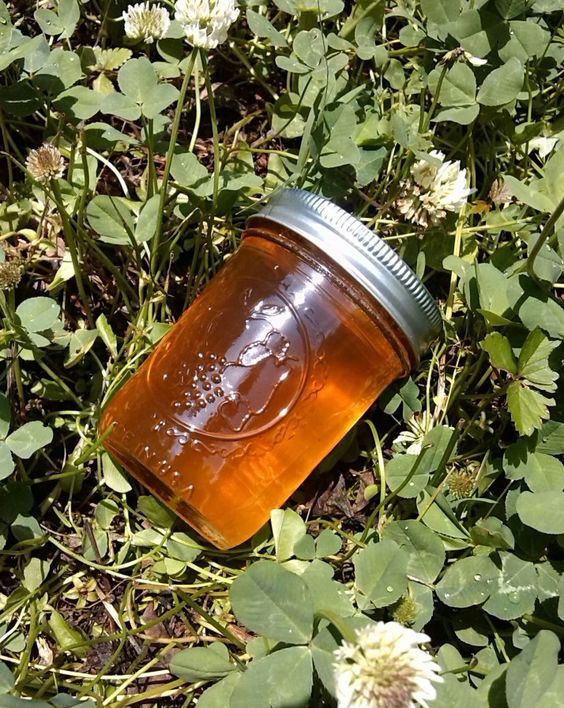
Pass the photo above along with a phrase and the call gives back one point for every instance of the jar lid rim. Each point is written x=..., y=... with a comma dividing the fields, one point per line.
x=364, y=255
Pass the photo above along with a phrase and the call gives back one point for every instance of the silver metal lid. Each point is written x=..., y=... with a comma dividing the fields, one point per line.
x=368, y=259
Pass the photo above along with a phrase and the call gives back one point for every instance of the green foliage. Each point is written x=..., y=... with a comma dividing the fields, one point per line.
x=516, y=589
x=261, y=27
x=445, y=512
x=274, y=602
x=441, y=11
x=111, y=218
x=468, y=582
x=7, y=687
x=528, y=408
x=22, y=442
x=502, y=85
x=67, y=637
x=533, y=677
x=29, y=438
x=113, y=477
x=141, y=92
x=542, y=511
x=499, y=349
x=425, y=549
x=266, y=684
x=202, y=663
x=37, y=314
x=61, y=23
x=381, y=572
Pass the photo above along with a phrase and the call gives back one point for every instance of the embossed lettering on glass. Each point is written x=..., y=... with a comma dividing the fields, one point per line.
x=302, y=329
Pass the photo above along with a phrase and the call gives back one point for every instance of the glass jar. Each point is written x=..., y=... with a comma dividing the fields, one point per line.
x=305, y=325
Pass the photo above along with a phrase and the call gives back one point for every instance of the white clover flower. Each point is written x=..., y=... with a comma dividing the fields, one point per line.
x=458, y=53
x=433, y=190
x=425, y=173
x=45, y=163
x=145, y=22
x=475, y=61
x=205, y=22
x=385, y=668
x=418, y=426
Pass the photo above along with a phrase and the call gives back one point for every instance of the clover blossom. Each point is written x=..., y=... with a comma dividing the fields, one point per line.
x=385, y=668
x=462, y=482
x=45, y=163
x=418, y=426
x=206, y=22
x=10, y=274
x=433, y=190
x=146, y=22
x=460, y=53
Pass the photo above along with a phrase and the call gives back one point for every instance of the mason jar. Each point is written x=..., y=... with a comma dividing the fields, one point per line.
x=287, y=347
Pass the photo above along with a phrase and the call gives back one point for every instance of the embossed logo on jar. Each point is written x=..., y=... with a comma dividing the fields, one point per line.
x=247, y=372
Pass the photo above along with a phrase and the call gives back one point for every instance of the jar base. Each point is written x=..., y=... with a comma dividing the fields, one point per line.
x=187, y=513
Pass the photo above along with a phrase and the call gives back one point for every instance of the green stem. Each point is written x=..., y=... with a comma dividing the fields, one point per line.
x=124, y=285
x=87, y=687
x=71, y=243
x=170, y=155
x=58, y=381
x=8, y=308
x=545, y=233
x=383, y=503
x=7, y=149
x=192, y=288
x=211, y=620
x=155, y=692
x=378, y=459
x=427, y=120
x=558, y=629
x=86, y=185
x=152, y=177
x=352, y=22
x=215, y=133
x=198, y=117
x=340, y=624
x=251, y=69
x=456, y=252
x=32, y=636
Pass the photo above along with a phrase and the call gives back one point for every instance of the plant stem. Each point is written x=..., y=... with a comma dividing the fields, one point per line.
x=58, y=381
x=211, y=620
x=197, y=119
x=71, y=243
x=170, y=155
x=456, y=253
x=215, y=133
x=86, y=185
x=124, y=285
x=8, y=309
x=545, y=233
x=426, y=122
x=339, y=623
x=251, y=69
x=152, y=177
x=352, y=21
x=7, y=149
x=31, y=637
x=545, y=624
x=378, y=461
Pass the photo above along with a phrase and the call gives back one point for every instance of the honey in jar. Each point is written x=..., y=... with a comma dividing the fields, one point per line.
x=287, y=347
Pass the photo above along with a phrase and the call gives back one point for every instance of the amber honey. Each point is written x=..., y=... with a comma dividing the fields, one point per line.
x=258, y=380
